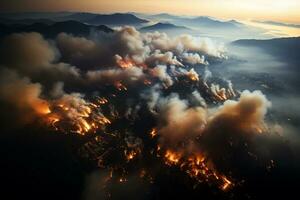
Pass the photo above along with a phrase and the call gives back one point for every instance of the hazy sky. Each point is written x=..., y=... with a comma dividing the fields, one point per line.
x=279, y=10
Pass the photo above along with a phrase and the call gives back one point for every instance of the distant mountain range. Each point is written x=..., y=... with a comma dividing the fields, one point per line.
x=171, y=24
x=116, y=19
x=223, y=30
x=278, y=24
x=90, y=18
x=119, y=19
x=202, y=21
x=207, y=22
x=109, y=19
x=163, y=17
x=287, y=49
x=164, y=26
x=51, y=30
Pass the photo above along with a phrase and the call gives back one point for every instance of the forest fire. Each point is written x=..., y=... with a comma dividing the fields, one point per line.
x=172, y=158
x=158, y=109
x=197, y=168
x=42, y=108
x=124, y=62
x=192, y=74
x=71, y=115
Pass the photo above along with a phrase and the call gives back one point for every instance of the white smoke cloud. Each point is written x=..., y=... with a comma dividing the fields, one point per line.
x=194, y=58
x=198, y=98
x=246, y=114
x=184, y=43
x=180, y=121
x=160, y=71
x=33, y=56
x=110, y=76
x=151, y=48
x=163, y=58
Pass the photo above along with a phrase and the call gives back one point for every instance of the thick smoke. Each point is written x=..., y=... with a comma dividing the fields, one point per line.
x=181, y=122
x=160, y=72
x=184, y=43
x=111, y=76
x=194, y=58
x=28, y=52
x=120, y=59
x=162, y=58
x=149, y=48
x=246, y=115
x=32, y=56
x=198, y=99
x=22, y=93
x=99, y=51
x=130, y=84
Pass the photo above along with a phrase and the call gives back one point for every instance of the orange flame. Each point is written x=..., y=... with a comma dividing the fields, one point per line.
x=125, y=63
x=42, y=108
x=172, y=158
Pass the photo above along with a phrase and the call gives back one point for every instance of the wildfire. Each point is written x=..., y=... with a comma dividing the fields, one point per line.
x=42, y=108
x=196, y=167
x=172, y=158
x=78, y=117
x=84, y=127
x=53, y=120
x=192, y=74
x=124, y=62
x=219, y=93
x=84, y=117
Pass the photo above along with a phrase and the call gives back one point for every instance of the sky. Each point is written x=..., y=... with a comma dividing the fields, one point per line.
x=276, y=10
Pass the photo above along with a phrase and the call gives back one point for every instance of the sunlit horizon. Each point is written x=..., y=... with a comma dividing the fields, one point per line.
x=282, y=11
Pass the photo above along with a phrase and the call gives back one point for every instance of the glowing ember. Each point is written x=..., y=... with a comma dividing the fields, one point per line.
x=227, y=184
x=102, y=100
x=153, y=133
x=122, y=180
x=120, y=86
x=130, y=154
